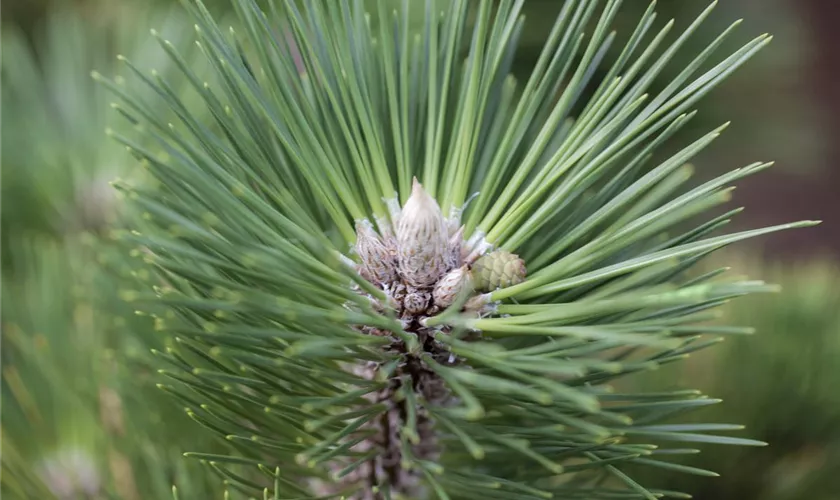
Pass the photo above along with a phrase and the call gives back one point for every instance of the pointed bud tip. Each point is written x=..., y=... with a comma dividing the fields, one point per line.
x=419, y=194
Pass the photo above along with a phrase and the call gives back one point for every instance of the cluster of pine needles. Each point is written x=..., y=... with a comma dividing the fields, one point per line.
x=379, y=266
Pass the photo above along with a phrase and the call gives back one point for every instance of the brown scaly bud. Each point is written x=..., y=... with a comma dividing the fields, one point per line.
x=396, y=294
x=498, y=269
x=378, y=264
x=450, y=286
x=422, y=239
x=416, y=302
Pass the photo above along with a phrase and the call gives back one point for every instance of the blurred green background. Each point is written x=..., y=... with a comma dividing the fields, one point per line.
x=81, y=416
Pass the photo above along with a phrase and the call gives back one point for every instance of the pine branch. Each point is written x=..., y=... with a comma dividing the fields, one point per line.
x=394, y=273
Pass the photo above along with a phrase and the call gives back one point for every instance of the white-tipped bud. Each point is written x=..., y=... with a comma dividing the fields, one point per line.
x=378, y=264
x=422, y=239
x=452, y=285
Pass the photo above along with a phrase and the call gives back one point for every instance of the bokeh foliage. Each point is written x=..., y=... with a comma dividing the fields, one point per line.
x=80, y=402
x=781, y=383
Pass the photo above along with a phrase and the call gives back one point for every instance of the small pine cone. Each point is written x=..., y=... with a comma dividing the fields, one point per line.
x=416, y=302
x=498, y=269
x=422, y=239
x=450, y=286
x=378, y=264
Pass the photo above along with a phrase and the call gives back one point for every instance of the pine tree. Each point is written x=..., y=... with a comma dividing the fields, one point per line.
x=396, y=272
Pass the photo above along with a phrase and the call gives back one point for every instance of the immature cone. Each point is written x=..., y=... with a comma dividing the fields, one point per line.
x=378, y=263
x=450, y=286
x=422, y=240
x=498, y=269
